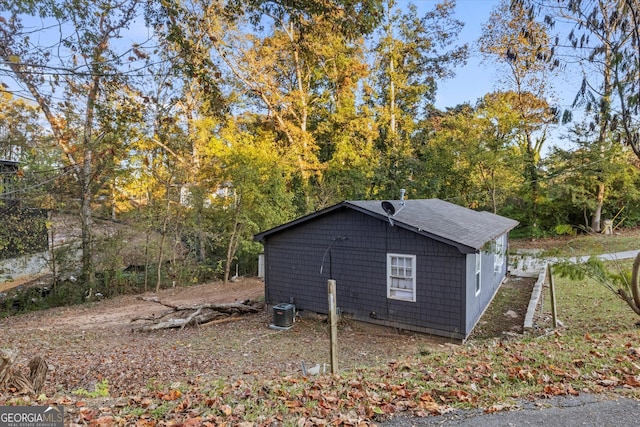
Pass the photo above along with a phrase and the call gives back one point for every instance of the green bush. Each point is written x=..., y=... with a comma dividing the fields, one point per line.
x=565, y=230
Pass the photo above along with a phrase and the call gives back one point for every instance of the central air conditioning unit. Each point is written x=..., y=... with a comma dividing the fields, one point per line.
x=283, y=315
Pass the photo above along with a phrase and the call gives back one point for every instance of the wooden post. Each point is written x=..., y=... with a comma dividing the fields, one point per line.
x=333, y=322
x=552, y=292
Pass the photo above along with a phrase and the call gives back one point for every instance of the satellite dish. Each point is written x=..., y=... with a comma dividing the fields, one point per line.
x=388, y=208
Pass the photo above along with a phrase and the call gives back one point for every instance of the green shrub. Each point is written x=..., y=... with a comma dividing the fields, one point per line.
x=564, y=230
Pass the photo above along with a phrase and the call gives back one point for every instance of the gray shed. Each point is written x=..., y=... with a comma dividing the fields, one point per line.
x=433, y=267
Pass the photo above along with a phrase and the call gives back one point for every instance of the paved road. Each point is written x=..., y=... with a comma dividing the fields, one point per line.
x=583, y=410
x=604, y=257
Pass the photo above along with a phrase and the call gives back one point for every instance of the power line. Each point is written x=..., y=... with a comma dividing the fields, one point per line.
x=61, y=71
x=40, y=184
x=33, y=172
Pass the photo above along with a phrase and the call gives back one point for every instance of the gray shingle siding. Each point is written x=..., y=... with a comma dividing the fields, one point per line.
x=490, y=282
x=359, y=266
x=443, y=237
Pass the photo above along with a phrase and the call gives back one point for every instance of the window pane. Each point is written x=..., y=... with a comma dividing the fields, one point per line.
x=401, y=281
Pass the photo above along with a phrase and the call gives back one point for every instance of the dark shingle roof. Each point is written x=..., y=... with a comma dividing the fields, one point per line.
x=464, y=228
x=444, y=221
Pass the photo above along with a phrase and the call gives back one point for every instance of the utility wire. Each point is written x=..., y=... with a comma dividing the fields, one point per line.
x=40, y=184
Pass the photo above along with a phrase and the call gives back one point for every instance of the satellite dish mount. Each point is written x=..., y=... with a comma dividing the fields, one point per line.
x=391, y=211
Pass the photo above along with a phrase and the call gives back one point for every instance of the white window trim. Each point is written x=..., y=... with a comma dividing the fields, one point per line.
x=478, y=276
x=499, y=254
x=391, y=290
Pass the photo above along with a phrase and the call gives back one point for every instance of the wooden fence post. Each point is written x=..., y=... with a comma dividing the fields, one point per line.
x=333, y=322
x=552, y=292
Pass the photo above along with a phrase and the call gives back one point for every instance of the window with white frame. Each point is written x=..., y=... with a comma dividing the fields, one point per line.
x=478, y=272
x=498, y=255
x=401, y=277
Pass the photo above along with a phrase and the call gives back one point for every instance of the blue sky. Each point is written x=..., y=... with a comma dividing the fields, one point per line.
x=474, y=80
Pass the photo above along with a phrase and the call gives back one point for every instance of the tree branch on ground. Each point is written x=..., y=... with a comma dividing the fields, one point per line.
x=182, y=316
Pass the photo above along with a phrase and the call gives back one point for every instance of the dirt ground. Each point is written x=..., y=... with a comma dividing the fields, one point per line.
x=88, y=343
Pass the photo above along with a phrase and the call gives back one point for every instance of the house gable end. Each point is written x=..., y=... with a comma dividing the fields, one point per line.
x=296, y=222
x=463, y=228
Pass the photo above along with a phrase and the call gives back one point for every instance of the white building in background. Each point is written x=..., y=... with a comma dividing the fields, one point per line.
x=186, y=196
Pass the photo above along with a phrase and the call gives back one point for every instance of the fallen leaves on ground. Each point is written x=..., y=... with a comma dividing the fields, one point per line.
x=244, y=374
x=418, y=386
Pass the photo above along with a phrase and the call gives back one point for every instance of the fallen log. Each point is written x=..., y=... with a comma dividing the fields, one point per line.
x=182, y=316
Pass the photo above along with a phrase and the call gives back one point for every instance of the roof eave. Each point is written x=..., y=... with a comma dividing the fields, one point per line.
x=461, y=247
x=261, y=236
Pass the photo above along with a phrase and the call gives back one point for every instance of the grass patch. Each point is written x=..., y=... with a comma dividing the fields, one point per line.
x=587, y=306
x=598, y=244
x=591, y=244
x=596, y=351
x=101, y=390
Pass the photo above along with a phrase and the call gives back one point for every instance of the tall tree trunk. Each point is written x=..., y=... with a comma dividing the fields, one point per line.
x=146, y=258
x=596, y=218
x=392, y=74
x=494, y=199
x=86, y=220
x=234, y=239
x=114, y=203
x=604, y=119
x=53, y=255
x=303, y=112
x=87, y=174
x=392, y=97
x=163, y=238
x=202, y=252
x=532, y=176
